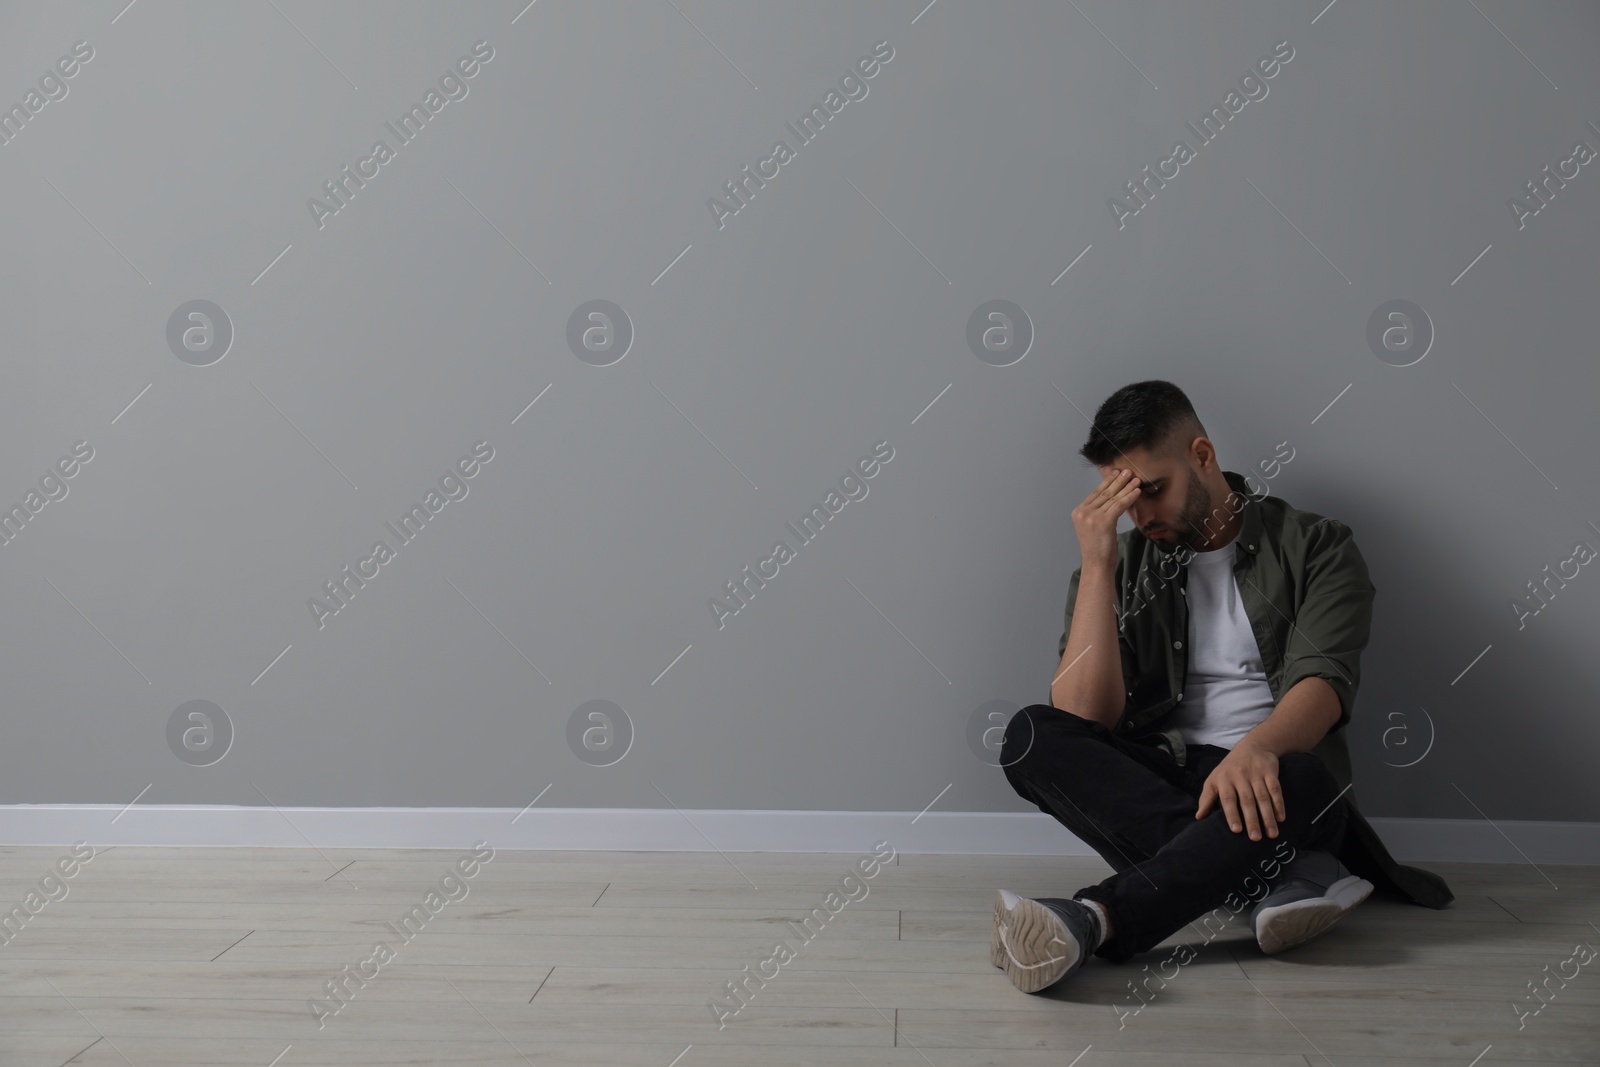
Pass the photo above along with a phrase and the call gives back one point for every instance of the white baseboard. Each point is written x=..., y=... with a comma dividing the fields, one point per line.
x=668, y=830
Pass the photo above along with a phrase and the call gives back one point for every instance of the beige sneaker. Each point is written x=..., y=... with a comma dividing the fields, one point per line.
x=1039, y=942
x=1002, y=911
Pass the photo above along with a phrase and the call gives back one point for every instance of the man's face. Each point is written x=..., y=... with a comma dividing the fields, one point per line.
x=1173, y=503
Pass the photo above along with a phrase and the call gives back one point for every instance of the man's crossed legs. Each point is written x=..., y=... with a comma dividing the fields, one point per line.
x=1135, y=806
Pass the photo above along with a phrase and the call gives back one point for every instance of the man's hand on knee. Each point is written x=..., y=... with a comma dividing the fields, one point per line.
x=1244, y=784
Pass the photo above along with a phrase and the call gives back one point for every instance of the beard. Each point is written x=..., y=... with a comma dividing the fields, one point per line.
x=1190, y=530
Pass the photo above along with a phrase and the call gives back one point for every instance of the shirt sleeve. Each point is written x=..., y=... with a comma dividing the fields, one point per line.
x=1334, y=620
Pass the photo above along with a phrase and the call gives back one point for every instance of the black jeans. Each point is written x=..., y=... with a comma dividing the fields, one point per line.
x=1133, y=804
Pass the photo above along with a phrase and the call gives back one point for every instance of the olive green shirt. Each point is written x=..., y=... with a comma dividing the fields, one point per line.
x=1305, y=589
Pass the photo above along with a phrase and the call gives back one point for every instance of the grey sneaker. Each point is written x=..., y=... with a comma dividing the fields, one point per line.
x=1313, y=893
x=1039, y=942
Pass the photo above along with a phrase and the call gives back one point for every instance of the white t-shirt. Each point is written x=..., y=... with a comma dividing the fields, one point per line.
x=1225, y=691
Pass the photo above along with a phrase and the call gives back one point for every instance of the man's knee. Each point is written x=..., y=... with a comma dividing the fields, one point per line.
x=1038, y=727
x=1020, y=733
x=1307, y=773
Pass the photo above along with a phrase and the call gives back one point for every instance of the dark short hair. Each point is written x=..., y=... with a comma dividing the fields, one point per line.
x=1153, y=414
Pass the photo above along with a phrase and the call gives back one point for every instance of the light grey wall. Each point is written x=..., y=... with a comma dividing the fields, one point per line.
x=769, y=355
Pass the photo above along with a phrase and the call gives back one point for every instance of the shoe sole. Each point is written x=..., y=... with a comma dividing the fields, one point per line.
x=1288, y=925
x=997, y=950
x=1035, y=948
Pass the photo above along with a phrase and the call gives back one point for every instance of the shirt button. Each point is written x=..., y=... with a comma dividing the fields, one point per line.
x=1177, y=644
x=1251, y=547
x=1180, y=696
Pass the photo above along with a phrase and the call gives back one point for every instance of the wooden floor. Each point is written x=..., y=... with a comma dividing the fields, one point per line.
x=165, y=957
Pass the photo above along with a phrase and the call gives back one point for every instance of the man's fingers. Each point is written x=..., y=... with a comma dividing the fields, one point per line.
x=1118, y=503
x=1230, y=805
x=1247, y=803
x=1269, y=824
x=1114, y=487
x=1254, y=806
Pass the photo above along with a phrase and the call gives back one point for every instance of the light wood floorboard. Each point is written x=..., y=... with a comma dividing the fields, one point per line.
x=166, y=957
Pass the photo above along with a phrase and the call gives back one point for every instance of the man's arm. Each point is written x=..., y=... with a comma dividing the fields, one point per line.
x=1246, y=781
x=1322, y=670
x=1302, y=718
x=1088, y=681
